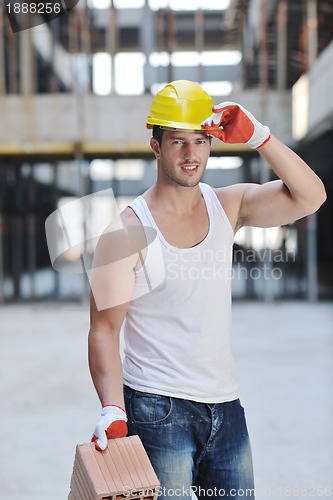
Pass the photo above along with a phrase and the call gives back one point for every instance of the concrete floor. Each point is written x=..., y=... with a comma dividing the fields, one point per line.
x=48, y=404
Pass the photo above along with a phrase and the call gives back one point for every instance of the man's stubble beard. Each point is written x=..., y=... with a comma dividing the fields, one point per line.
x=173, y=179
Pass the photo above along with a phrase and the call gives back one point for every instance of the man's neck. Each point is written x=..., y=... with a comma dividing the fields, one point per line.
x=173, y=199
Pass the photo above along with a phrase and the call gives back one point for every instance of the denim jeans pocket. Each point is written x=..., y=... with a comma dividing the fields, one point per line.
x=150, y=408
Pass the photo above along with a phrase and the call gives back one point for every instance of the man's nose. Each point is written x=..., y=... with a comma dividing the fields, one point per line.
x=189, y=152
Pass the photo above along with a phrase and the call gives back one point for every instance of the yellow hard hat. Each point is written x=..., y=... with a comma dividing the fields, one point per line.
x=180, y=105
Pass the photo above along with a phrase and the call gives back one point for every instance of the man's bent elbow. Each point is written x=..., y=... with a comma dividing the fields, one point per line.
x=316, y=200
x=321, y=196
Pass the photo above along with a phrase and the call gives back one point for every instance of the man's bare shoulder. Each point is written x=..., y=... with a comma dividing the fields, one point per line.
x=231, y=198
x=120, y=240
x=232, y=191
x=129, y=218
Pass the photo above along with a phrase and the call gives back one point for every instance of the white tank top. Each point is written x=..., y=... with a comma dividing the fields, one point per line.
x=178, y=334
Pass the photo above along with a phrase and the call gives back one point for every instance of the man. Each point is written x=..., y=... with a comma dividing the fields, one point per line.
x=180, y=385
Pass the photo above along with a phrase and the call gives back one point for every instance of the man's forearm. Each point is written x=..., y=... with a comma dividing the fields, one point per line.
x=304, y=186
x=106, y=366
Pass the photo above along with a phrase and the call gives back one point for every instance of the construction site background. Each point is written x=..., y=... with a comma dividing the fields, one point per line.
x=74, y=95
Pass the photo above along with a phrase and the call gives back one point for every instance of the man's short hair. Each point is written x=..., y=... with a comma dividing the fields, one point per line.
x=158, y=133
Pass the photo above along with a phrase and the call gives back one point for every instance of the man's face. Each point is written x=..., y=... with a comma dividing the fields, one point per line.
x=182, y=157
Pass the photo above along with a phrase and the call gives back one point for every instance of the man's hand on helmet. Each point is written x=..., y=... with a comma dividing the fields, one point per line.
x=233, y=124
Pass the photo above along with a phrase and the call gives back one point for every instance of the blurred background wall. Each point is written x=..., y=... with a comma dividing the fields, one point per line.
x=74, y=95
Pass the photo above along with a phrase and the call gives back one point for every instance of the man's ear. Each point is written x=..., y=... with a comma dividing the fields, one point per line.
x=155, y=146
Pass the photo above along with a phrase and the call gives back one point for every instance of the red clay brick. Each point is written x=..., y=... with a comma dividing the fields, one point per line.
x=122, y=471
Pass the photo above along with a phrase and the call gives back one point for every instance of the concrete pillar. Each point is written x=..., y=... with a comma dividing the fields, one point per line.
x=171, y=35
x=27, y=63
x=263, y=55
x=311, y=257
x=2, y=221
x=86, y=39
x=85, y=188
x=148, y=44
x=199, y=39
x=31, y=233
x=73, y=26
x=2, y=52
x=12, y=63
x=282, y=18
x=312, y=24
x=112, y=42
x=17, y=233
x=55, y=175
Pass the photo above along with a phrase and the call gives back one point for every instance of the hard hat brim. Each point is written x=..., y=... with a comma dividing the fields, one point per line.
x=177, y=129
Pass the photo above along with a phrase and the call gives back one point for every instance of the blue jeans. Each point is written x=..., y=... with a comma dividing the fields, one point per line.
x=194, y=447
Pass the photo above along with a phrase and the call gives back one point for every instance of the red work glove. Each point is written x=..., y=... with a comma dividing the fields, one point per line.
x=111, y=425
x=233, y=124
